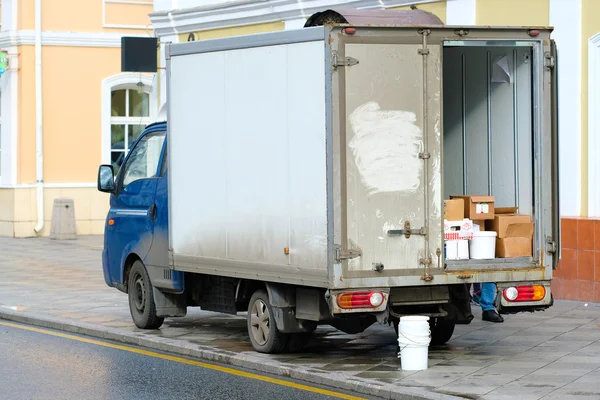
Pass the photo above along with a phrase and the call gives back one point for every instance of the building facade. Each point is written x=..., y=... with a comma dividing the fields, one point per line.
x=91, y=112
x=65, y=106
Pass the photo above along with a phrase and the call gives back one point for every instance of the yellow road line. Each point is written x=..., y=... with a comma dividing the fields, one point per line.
x=186, y=361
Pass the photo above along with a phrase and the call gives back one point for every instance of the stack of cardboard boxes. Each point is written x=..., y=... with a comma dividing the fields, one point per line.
x=465, y=215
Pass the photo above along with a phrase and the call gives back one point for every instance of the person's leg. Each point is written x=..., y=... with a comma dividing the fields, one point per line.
x=488, y=294
x=476, y=292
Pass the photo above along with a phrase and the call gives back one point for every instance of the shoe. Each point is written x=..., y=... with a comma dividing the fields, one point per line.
x=492, y=316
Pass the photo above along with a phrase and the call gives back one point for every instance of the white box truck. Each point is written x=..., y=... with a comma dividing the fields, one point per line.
x=300, y=176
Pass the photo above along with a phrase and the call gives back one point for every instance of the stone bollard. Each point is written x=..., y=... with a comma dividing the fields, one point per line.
x=63, y=220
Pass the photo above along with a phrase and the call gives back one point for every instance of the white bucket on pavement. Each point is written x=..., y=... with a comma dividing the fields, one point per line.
x=413, y=338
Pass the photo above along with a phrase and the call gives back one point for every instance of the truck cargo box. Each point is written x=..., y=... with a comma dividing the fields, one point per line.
x=322, y=156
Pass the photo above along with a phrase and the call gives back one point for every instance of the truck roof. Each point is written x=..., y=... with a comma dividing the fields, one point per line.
x=390, y=18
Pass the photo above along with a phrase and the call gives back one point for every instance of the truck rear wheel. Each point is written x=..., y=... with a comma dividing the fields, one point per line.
x=262, y=329
x=141, y=298
x=441, y=330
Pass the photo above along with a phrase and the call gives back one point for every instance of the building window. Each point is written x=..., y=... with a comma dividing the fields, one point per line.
x=129, y=114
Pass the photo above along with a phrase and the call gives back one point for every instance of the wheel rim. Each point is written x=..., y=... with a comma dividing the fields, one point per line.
x=139, y=294
x=260, y=322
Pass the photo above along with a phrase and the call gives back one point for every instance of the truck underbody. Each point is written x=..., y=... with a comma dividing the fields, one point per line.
x=310, y=219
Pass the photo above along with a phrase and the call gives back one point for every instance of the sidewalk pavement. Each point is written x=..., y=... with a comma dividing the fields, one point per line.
x=551, y=355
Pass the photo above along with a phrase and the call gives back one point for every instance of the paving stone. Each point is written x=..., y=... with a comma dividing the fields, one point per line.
x=550, y=354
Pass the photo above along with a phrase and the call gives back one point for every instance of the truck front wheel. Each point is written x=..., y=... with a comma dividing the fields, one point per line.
x=262, y=329
x=141, y=298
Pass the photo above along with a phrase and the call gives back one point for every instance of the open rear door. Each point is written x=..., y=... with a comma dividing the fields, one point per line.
x=386, y=107
x=554, y=241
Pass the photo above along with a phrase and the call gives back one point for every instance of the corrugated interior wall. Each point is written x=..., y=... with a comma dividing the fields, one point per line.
x=488, y=124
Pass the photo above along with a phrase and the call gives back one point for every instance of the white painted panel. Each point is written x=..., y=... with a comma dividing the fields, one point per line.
x=8, y=110
x=565, y=16
x=307, y=148
x=7, y=14
x=197, y=170
x=297, y=23
x=257, y=160
x=247, y=144
x=594, y=126
x=461, y=12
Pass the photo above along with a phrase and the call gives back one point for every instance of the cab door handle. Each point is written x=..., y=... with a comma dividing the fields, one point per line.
x=152, y=212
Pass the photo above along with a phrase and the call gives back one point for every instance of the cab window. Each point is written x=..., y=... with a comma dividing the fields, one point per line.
x=143, y=160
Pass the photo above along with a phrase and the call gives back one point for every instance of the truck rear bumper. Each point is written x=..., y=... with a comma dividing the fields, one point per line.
x=511, y=297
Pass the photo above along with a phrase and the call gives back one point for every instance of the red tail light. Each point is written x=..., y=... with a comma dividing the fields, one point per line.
x=524, y=293
x=360, y=300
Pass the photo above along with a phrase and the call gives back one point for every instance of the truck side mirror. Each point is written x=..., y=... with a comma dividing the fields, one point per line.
x=106, y=178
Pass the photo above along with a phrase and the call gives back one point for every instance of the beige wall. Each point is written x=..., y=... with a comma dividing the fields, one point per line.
x=235, y=31
x=72, y=105
x=513, y=12
x=72, y=126
x=438, y=8
x=26, y=112
x=18, y=215
x=128, y=14
x=86, y=15
x=7, y=212
x=26, y=14
x=72, y=112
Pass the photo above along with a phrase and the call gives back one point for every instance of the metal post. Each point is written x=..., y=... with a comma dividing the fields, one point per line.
x=425, y=155
x=489, y=120
x=464, y=121
x=516, y=122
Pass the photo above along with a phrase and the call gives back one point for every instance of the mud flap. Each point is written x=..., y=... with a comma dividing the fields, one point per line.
x=169, y=304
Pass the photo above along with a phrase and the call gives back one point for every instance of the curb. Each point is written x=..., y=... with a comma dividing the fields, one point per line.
x=252, y=362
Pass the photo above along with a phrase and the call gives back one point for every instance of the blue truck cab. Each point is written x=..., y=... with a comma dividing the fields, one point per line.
x=136, y=229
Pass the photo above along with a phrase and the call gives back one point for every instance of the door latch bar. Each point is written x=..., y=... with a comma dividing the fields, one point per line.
x=407, y=231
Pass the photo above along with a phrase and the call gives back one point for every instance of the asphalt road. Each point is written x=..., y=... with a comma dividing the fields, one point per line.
x=40, y=363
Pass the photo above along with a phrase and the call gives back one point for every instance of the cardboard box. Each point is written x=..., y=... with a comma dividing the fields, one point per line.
x=456, y=249
x=505, y=217
x=517, y=241
x=478, y=207
x=515, y=233
x=454, y=210
x=457, y=230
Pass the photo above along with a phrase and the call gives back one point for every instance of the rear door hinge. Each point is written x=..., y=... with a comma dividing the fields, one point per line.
x=549, y=60
x=348, y=254
x=426, y=262
x=550, y=245
x=424, y=51
x=343, y=62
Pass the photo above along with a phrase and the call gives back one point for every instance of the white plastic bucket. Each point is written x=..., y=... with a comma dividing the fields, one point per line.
x=413, y=338
x=483, y=245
